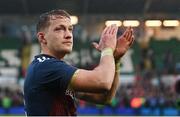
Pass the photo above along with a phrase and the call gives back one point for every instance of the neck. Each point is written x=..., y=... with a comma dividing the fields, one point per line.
x=59, y=56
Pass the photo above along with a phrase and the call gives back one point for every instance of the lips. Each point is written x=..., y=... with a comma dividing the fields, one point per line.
x=67, y=42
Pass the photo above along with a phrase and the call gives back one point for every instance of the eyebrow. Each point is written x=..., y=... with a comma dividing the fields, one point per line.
x=71, y=26
x=64, y=25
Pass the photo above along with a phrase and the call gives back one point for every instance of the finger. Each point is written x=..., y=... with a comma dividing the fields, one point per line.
x=132, y=40
x=105, y=30
x=113, y=28
x=129, y=35
x=96, y=46
x=109, y=30
x=123, y=35
x=126, y=32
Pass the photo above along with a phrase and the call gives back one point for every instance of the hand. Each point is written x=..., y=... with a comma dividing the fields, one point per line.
x=124, y=42
x=108, y=38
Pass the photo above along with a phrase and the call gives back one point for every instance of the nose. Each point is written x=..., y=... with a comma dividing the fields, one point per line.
x=68, y=34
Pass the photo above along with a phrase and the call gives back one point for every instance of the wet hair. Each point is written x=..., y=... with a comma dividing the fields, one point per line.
x=44, y=19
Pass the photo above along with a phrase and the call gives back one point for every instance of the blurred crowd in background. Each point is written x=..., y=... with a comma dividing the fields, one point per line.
x=156, y=67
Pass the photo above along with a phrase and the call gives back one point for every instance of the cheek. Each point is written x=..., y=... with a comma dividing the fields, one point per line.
x=53, y=38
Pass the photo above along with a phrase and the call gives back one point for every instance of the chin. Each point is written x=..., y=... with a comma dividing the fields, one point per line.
x=65, y=50
x=68, y=51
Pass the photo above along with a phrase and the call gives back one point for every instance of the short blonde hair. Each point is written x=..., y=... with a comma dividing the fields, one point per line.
x=44, y=19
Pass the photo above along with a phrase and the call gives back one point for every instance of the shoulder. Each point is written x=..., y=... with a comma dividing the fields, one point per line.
x=45, y=62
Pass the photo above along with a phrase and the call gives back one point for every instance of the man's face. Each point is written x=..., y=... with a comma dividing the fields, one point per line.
x=59, y=35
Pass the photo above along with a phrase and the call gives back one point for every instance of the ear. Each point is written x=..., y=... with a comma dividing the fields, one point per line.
x=41, y=37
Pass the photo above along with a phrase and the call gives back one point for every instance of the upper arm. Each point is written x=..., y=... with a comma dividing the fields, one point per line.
x=55, y=75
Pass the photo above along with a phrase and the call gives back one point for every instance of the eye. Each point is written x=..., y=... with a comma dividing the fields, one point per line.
x=57, y=29
x=60, y=28
x=71, y=29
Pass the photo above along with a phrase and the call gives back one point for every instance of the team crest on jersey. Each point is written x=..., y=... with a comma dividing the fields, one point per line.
x=70, y=93
x=42, y=59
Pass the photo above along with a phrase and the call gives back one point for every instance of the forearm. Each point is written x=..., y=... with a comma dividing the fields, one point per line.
x=102, y=98
x=97, y=98
x=106, y=69
x=110, y=94
x=98, y=80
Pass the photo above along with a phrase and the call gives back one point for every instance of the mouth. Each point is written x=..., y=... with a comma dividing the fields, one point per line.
x=68, y=43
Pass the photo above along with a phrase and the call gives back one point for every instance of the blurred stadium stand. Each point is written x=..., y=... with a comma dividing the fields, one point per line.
x=149, y=69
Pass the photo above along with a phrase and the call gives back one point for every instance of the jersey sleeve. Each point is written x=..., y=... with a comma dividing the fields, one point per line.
x=56, y=75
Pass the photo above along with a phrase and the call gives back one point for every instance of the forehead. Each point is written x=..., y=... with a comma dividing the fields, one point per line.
x=56, y=20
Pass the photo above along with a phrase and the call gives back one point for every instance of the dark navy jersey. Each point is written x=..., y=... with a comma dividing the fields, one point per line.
x=45, y=87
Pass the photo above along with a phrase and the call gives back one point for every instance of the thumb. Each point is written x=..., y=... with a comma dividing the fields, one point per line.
x=96, y=46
